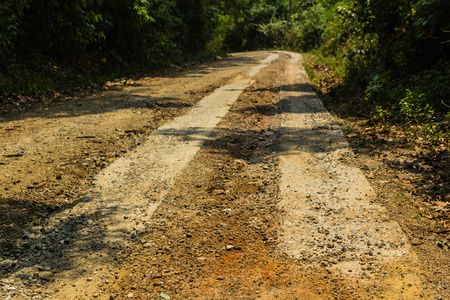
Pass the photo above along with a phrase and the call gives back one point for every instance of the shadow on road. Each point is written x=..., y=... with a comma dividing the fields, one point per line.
x=120, y=97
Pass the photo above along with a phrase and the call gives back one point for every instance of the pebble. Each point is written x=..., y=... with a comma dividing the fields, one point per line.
x=164, y=296
x=130, y=295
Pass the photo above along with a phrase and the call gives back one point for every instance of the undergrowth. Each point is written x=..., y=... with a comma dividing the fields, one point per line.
x=411, y=110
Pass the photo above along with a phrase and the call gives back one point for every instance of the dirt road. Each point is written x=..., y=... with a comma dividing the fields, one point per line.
x=224, y=181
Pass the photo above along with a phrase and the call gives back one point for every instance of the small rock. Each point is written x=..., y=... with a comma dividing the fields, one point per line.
x=428, y=187
x=89, y=279
x=219, y=192
x=130, y=295
x=229, y=247
x=164, y=296
x=416, y=242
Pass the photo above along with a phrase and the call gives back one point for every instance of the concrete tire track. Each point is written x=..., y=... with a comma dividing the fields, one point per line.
x=330, y=216
x=129, y=190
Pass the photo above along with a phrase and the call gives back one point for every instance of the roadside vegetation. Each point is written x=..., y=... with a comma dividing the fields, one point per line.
x=393, y=59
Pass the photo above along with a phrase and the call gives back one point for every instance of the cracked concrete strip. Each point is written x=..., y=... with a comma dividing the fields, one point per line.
x=130, y=183
x=331, y=218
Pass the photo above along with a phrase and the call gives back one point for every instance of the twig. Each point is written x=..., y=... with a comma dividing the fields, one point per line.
x=131, y=131
x=13, y=155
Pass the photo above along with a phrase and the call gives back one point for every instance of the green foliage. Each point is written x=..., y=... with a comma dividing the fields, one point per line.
x=140, y=30
x=44, y=43
x=309, y=24
x=10, y=13
x=261, y=25
x=197, y=19
x=397, y=52
x=223, y=25
x=413, y=108
x=275, y=31
x=380, y=87
x=59, y=28
x=148, y=30
x=418, y=118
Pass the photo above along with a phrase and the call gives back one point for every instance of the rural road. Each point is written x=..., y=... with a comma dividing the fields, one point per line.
x=228, y=180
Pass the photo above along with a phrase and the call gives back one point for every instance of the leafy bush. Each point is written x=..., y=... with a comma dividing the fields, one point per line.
x=275, y=31
x=413, y=109
x=309, y=25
